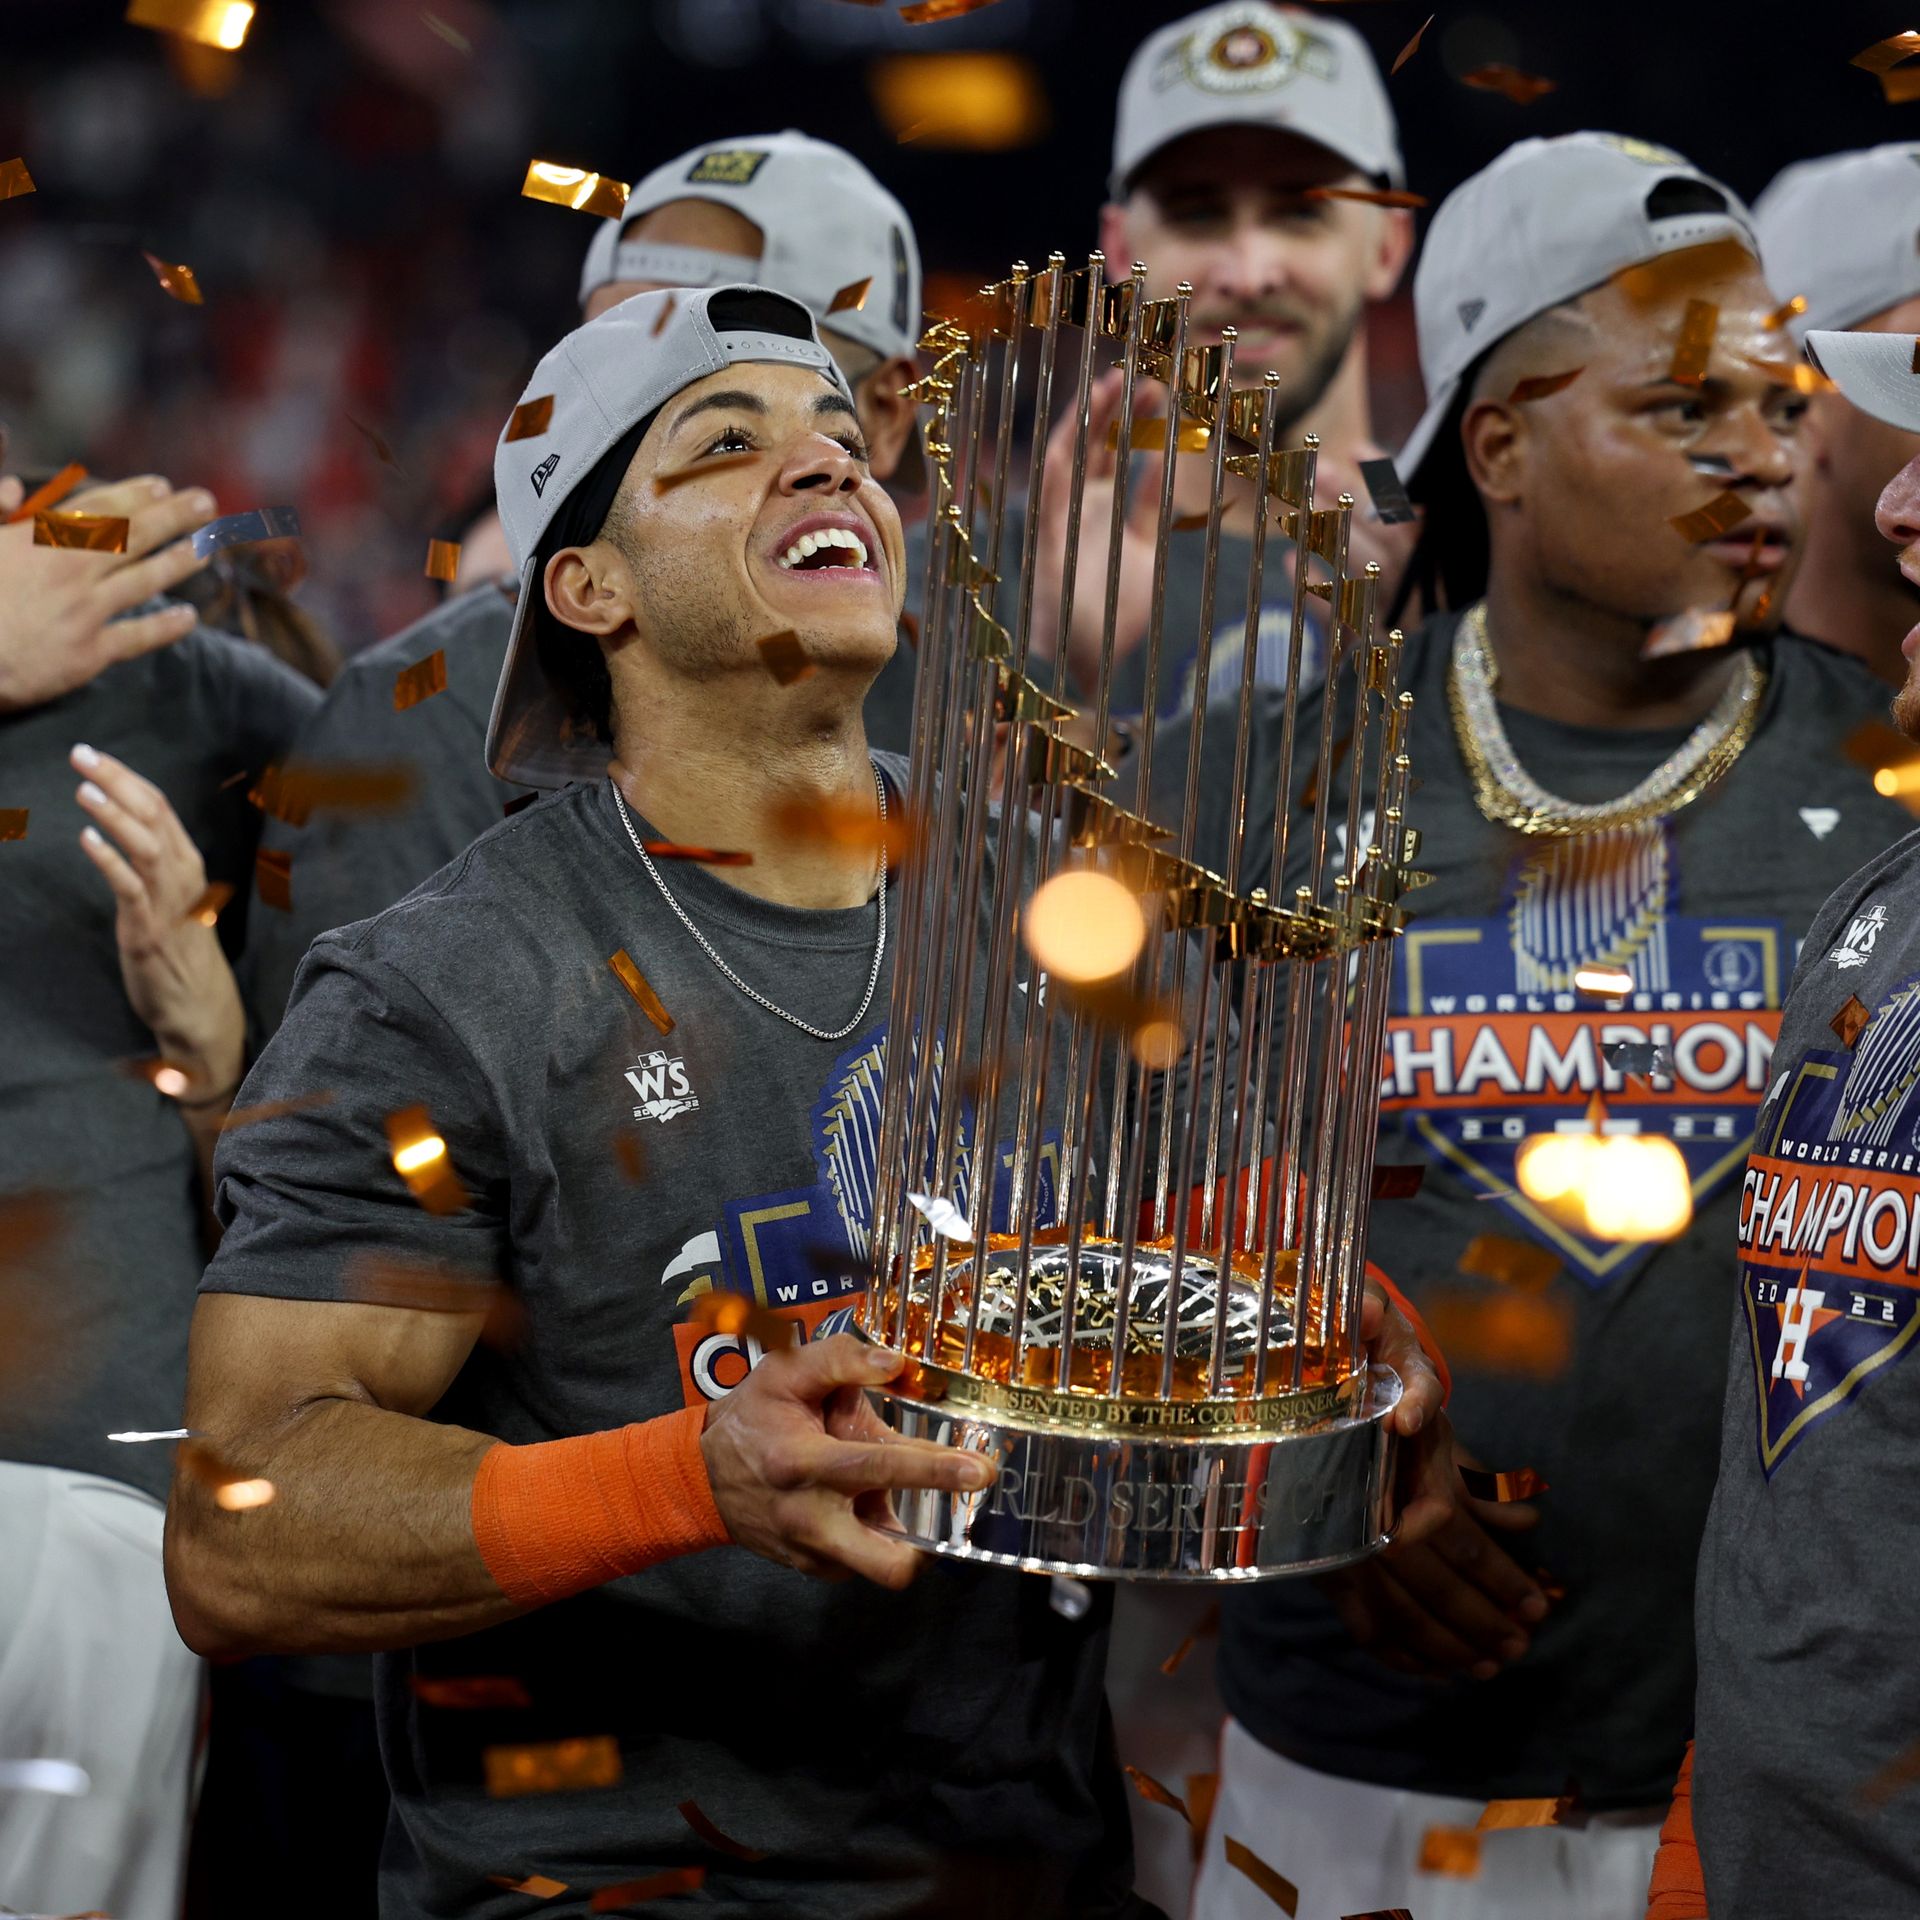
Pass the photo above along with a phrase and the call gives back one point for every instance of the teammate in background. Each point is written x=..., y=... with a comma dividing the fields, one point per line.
x=1803, y=1764
x=1230, y=123
x=1840, y=233
x=128, y=737
x=1581, y=804
x=794, y=213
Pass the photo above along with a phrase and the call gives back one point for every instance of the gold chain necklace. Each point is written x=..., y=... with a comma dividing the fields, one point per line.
x=1510, y=797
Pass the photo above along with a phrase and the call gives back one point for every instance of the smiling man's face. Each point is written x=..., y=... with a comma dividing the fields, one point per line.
x=1898, y=518
x=748, y=511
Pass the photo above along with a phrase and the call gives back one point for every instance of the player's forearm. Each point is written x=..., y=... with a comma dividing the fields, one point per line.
x=367, y=1542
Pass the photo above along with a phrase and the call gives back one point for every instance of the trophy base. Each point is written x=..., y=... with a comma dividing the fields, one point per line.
x=1237, y=1504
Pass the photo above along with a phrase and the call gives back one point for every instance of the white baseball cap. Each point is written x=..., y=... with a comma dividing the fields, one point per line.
x=602, y=379
x=826, y=224
x=1548, y=220
x=1844, y=233
x=1876, y=371
x=1251, y=64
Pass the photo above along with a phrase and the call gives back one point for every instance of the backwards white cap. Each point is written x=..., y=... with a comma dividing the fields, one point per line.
x=600, y=380
x=1844, y=234
x=826, y=224
x=1251, y=64
x=1548, y=220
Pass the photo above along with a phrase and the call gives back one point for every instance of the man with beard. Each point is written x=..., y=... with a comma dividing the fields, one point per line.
x=1840, y=233
x=1803, y=1764
x=798, y=214
x=1608, y=454
x=1242, y=135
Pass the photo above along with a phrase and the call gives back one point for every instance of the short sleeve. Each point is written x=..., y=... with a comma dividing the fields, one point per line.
x=305, y=1185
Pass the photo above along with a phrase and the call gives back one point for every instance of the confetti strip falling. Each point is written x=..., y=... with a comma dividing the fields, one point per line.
x=924, y=12
x=1538, y=386
x=206, y=909
x=211, y=23
x=1851, y=1021
x=553, y=1766
x=420, y=1159
x=470, y=1692
x=689, y=1811
x=785, y=658
x=82, y=532
x=1148, y=1788
x=1694, y=347
x=575, y=187
x=852, y=297
x=698, y=856
x=272, y=1110
x=1370, y=196
x=658, y=1886
x=637, y=984
x=443, y=560
x=49, y=494
x=421, y=681
x=537, y=1884
x=1698, y=630
x=1523, y=89
x=1501, y=1816
x=1450, y=1850
x=176, y=280
x=273, y=878
x=1388, y=492
x=1412, y=47
x=1714, y=521
x=530, y=418
x=1276, y=1886
x=1513, y=1263
x=1787, y=310
x=14, y=179
x=733, y=1314
x=1503, y=1489
x=13, y=823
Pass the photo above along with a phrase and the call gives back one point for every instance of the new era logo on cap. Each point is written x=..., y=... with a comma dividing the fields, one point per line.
x=543, y=473
x=1470, y=312
x=727, y=167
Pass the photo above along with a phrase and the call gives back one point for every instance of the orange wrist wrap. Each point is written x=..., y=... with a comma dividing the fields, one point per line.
x=1678, y=1890
x=556, y=1518
x=1428, y=1344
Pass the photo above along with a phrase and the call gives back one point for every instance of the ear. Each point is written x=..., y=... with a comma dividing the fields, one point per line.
x=886, y=414
x=1393, y=247
x=1493, y=436
x=1114, y=242
x=587, y=588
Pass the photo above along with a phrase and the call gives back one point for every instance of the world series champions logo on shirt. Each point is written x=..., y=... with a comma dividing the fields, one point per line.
x=804, y=1252
x=1490, y=1040
x=1830, y=1226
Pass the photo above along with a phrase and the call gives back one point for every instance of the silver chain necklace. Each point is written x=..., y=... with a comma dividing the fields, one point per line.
x=706, y=947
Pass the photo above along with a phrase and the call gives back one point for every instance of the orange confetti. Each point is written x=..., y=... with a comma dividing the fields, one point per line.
x=470, y=1692
x=1900, y=87
x=14, y=179
x=924, y=11
x=1800, y=375
x=1501, y=1816
x=633, y=1893
x=273, y=878
x=272, y=1110
x=733, y=1313
x=689, y=1811
x=420, y=1159
x=1509, y=1332
x=421, y=681
x=232, y=1490
x=83, y=532
x=443, y=560
x=575, y=187
x=49, y=493
x=1667, y=273
x=536, y=1884
x=1538, y=386
x=295, y=793
x=1694, y=348
x=852, y=297
x=176, y=280
x=1787, y=310
x=13, y=823
x=1412, y=47
x=1277, y=1887
x=786, y=659
x=1369, y=196
x=424, y=1286
x=1851, y=1021
x=1454, y=1850
x=1695, y=631
x=1899, y=1773
x=631, y=1157
x=1523, y=89
x=1503, y=1488
x=552, y=1766
x=636, y=983
x=1514, y=1263
x=206, y=909
x=210, y=23
x=1148, y=1788
x=699, y=856
x=1714, y=521
x=853, y=824
x=1884, y=55
x=530, y=417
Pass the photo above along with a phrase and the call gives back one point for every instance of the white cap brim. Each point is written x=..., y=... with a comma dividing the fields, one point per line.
x=1874, y=370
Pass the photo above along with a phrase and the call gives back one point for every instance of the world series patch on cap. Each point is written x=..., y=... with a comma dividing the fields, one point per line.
x=1249, y=63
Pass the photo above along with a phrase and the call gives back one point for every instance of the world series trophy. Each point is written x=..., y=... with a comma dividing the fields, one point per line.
x=1148, y=1313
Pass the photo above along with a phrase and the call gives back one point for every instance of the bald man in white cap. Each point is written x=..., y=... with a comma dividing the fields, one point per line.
x=1800, y=1781
x=1843, y=234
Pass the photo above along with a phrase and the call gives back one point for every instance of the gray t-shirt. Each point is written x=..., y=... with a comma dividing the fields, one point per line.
x=112, y=1290
x=1809, y=1702
x=945, y=1750
x=349, y=864
x=1487, y=1043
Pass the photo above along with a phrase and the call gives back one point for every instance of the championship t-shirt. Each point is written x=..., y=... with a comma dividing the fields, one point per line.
x=940, y=1751
x=348, y=863
x=1611, y=1386
x=1809, y=1702
x=100, y=1304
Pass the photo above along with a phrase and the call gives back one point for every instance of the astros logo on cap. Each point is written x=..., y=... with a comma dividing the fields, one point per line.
x=728, y=167
x=1645, y=151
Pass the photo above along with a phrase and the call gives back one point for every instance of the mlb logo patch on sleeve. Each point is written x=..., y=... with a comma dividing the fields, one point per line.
x=727, y=167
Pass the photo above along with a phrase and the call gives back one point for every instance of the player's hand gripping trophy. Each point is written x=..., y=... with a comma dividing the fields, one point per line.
x=1126, y=1146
